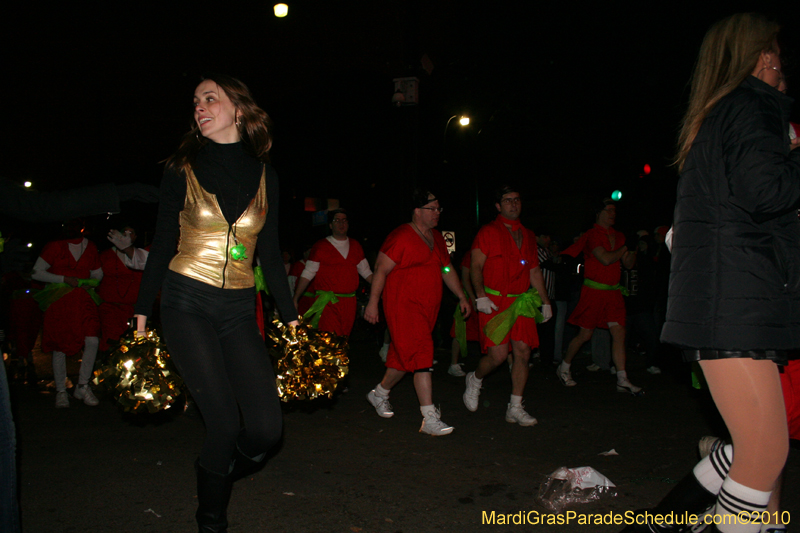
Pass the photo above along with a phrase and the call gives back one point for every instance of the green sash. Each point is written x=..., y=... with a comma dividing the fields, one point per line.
x=323, y=298
x=55, y=291
x=526, y=304
x=603, y=287
x=461, y=328
x=261, y=283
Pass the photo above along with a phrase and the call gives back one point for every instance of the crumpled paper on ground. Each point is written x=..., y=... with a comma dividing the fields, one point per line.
x=567, y=486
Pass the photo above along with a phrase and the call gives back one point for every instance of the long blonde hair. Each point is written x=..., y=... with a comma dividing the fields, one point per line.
x=729, y=53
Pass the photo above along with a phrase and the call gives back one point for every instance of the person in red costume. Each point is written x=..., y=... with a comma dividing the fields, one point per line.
x=601, y=304
x=71, y=320
x=506, y=278
x=409, y=271
x=334, y=265
x=122, y=273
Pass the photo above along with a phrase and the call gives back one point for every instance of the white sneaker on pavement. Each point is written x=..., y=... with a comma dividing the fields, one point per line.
x=455, y=370
x=381, y=405
x=517, y=414
x=565, y=377
x=83, y=392
x=626, y=386
x=472, y=393
x=433, y=425
x=62, y=399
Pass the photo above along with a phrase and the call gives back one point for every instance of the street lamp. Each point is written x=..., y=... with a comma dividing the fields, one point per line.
x=281, y=10
x=463, y=120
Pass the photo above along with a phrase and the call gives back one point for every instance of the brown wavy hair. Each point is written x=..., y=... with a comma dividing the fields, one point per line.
x=254, y=126
x=728, y=55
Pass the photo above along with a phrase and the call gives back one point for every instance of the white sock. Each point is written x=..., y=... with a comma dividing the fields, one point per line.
x=475, y=378
x=565, y=366
x=622, y=375
x=427, y=411
x=516, y=401
x=712, y=470
x=380, y=391
x=735, y=499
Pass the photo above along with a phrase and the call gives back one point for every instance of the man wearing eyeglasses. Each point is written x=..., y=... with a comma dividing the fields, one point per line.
x=333, y=265
x=601, y=304
x=412, y=264
x=510, y=290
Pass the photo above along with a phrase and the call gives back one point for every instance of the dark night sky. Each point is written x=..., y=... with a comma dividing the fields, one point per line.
x=570, y=103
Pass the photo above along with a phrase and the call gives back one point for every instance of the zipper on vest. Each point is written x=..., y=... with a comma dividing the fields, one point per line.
x=227, y=246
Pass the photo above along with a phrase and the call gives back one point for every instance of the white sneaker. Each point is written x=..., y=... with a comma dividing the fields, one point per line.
x=381, y=405
x=626, y=386
x=613, y=370
x=83, y=392
x=593, y=368
x=472, y=393
x=62, y=399
x=708, y=444
x=565, y=377
x=455, y=370
x=433, y=425
x=654, y=370
x=517, y=414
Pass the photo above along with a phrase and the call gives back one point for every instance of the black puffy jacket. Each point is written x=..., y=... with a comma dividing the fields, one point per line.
x=735, y=279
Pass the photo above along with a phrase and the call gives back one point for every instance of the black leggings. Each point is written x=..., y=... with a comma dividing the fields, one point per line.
x=215, y=343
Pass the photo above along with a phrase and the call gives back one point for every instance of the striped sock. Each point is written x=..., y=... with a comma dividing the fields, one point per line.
x=735, y=501
x=712, y=470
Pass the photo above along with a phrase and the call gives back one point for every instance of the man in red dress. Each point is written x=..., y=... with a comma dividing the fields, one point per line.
x=506, y=278
x=71, y=321
x=333, y=265
x=122, y=273
x=601, y=304
x=409, y=271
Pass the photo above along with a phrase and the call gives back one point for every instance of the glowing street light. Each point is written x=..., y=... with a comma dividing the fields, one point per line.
x=281, y=10
x=464, y=121
x=27, y=184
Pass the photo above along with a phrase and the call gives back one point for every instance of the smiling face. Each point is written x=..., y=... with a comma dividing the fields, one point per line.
x=510, y=205
x=215, y=114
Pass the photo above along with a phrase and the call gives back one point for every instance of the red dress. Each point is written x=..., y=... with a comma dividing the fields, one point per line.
x=339, y=275
x=119, y=291
x=73, y=317
x=507, y=270
x=412, y=295
x=598, y=307
x=473, y=324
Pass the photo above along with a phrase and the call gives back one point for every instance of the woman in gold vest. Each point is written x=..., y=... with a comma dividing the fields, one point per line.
x=219, y=203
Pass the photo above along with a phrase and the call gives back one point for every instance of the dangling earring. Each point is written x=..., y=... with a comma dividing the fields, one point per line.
x=767, y=67
x=237, y=121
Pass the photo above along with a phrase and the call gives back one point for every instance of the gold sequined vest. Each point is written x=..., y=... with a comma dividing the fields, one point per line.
x=206, y=238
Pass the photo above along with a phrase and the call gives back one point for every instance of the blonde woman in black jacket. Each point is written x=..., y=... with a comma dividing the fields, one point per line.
x=734, y=295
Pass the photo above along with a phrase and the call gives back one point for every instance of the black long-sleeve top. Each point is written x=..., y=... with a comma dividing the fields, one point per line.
x=228, y=172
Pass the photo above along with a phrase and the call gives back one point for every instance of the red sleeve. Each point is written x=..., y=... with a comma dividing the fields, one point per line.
x=394, y=246
x=576, y=248
x=356, y=251
x=313, y=255
x=593, y=240
x=297, y=268
x=483, y=240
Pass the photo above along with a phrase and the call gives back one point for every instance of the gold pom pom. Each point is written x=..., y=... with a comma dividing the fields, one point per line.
x=139, y=374
x=308, y=363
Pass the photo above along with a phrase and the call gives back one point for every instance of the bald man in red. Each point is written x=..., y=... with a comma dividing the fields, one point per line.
x=332, y=271
x=411, y=266
x=506, y=279
x=601, y=304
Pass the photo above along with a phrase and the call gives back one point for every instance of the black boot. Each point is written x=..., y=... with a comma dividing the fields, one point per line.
x=687, y=498
x=213, y=495
x=243, y=465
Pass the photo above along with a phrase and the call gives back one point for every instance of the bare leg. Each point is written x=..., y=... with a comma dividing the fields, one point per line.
x=618, y=346
x=495, y=356
x=391, y=378
x=519, y=372
x=424, y=387
x=748, y=395
x=774, y=505
x=455, y=351
x=583, y=336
